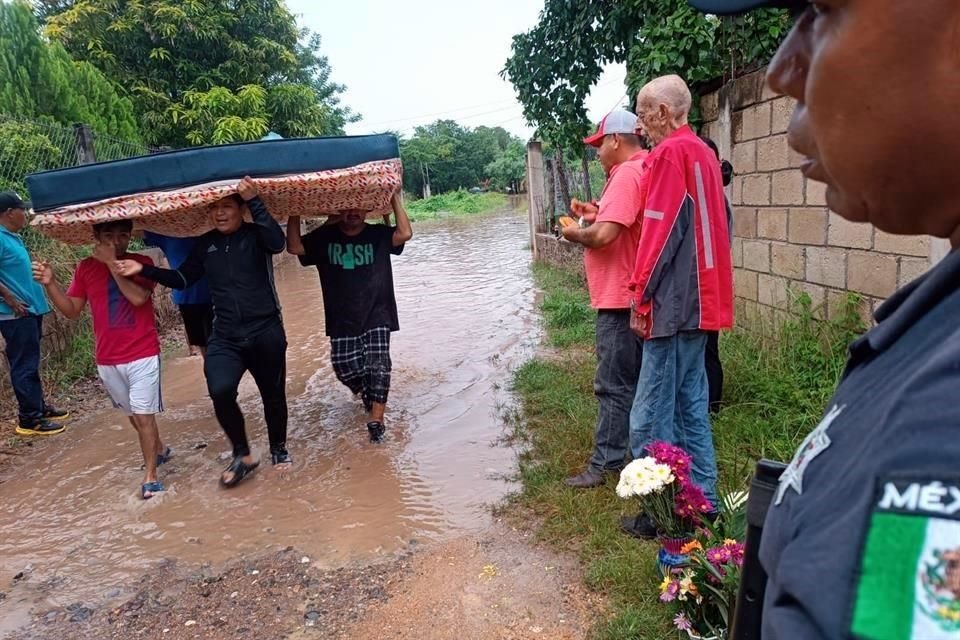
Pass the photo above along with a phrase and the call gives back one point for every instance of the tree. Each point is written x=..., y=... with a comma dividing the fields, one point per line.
x=39, y=80
x=508, y=170
x=203, y=71
x=554, y=65
x=445, y=156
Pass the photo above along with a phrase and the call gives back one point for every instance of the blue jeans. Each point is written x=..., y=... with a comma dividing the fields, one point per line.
x=22, y=336
x=618, y=365
x=671, y=404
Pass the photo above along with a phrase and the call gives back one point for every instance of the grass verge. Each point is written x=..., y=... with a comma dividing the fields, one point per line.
x=777, y=382
x=456, y=203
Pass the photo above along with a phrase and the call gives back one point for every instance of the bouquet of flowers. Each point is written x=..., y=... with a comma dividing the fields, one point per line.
x=661, y=483
x=705, y=590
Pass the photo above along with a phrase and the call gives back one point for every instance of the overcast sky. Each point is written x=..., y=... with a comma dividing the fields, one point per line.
x=409, y=63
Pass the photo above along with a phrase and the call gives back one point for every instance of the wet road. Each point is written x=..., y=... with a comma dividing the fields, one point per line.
x=71, y=513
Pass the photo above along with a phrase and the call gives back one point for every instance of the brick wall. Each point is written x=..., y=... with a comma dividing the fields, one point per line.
x=785, y=239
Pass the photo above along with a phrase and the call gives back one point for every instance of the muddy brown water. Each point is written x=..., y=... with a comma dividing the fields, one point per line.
x=73, y=523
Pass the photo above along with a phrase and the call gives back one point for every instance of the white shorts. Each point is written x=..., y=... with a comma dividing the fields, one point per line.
x=134, y=387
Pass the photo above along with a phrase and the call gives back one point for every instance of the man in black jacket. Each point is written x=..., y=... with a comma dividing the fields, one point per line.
x=237, y=259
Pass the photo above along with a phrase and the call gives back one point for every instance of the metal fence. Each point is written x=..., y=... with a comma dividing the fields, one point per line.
x=31, y=145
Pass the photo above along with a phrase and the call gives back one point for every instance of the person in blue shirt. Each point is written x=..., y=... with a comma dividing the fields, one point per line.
x=22, y=307
x=194, y=301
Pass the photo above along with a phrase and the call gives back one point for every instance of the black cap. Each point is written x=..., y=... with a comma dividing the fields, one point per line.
x=732, y=7
x=10, y=200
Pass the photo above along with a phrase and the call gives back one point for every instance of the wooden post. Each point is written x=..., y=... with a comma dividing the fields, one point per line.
x=85, y=151
x=563, y=183
x=550, y=204
x=536, y=191
x=587, y=190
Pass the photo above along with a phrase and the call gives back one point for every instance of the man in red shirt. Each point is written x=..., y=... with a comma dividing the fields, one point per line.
x=682, y=283
x=611, y=248
x=126, y=344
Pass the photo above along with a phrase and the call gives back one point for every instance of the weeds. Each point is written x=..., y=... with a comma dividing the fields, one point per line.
x=455, y=203
x=776, y=388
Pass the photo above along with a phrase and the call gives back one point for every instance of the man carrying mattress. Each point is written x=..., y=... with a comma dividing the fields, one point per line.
x=356, y=275
x=248, y=334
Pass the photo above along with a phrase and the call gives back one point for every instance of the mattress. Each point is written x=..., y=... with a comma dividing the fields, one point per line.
x=198, y=165
x=289, y=183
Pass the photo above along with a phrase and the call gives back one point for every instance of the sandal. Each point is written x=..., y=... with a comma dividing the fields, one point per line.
x=240, y=470
x=150, y=489
x=376, y=430
x=280, y=456
x=164, y=457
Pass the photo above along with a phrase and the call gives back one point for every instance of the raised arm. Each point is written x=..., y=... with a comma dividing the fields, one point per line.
x=269, y=230
x=404, y=231
x=294, y=239
x=69, y=306
x=136, y=294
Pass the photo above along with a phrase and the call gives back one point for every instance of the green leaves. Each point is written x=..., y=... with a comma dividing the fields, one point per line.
x=39, y=79
x=201, y=71
x=554, y=65
x=448, y=156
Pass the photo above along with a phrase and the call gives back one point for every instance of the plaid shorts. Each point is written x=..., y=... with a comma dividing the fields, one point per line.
x=363, y=363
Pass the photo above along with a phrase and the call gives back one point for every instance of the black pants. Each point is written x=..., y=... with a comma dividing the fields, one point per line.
x=619, y=354
x=265, y=357
x=22, y=337
x=714, y=370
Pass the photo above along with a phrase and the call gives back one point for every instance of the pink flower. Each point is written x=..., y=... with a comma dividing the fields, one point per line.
x=670, y=593
x=690, y=501
x=675, y=457
x=682, y=622
x=736, y=553
x=718, y=555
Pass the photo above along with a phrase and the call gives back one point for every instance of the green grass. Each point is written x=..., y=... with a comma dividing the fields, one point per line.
x=455, y=203
x=776, y=388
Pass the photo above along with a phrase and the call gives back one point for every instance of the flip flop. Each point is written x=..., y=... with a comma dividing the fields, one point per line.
x=281, y=457
x=240, y=470
x=151, y=488
x=165, y=456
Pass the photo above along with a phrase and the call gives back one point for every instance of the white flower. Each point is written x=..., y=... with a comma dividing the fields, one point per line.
x=642, y=477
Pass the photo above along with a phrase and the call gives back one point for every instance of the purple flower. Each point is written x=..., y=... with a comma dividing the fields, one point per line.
x=670, y=593
x=675, y=457
x=682, y=622
x=718, y=555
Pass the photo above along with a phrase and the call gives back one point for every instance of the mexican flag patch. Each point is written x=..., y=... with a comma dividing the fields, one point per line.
x=909, y=584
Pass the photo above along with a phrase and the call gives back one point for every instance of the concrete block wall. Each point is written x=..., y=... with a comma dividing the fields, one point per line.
x=559, y=253
x=786, y=240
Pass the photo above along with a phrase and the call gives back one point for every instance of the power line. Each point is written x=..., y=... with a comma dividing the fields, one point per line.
x=451, y=111
x=380, y=124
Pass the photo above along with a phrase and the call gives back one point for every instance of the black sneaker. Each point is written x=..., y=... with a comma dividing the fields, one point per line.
x=52, y=413
x=639, y=526
x=377, y=430
x=40, y=427
x=281, y=456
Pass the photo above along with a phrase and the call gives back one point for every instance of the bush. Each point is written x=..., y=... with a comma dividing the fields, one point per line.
x=455, y=203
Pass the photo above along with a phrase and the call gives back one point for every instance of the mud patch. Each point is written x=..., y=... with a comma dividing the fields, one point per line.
x=490, y=586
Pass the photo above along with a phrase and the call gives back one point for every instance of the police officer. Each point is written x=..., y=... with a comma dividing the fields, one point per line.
x=863, y=535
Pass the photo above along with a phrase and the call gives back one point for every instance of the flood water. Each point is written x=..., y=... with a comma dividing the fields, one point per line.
x=71, y=513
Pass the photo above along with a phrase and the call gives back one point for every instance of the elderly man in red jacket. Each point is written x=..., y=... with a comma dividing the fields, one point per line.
x=682, y=284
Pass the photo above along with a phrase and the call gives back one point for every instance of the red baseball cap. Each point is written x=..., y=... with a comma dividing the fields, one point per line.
x=617, y=121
